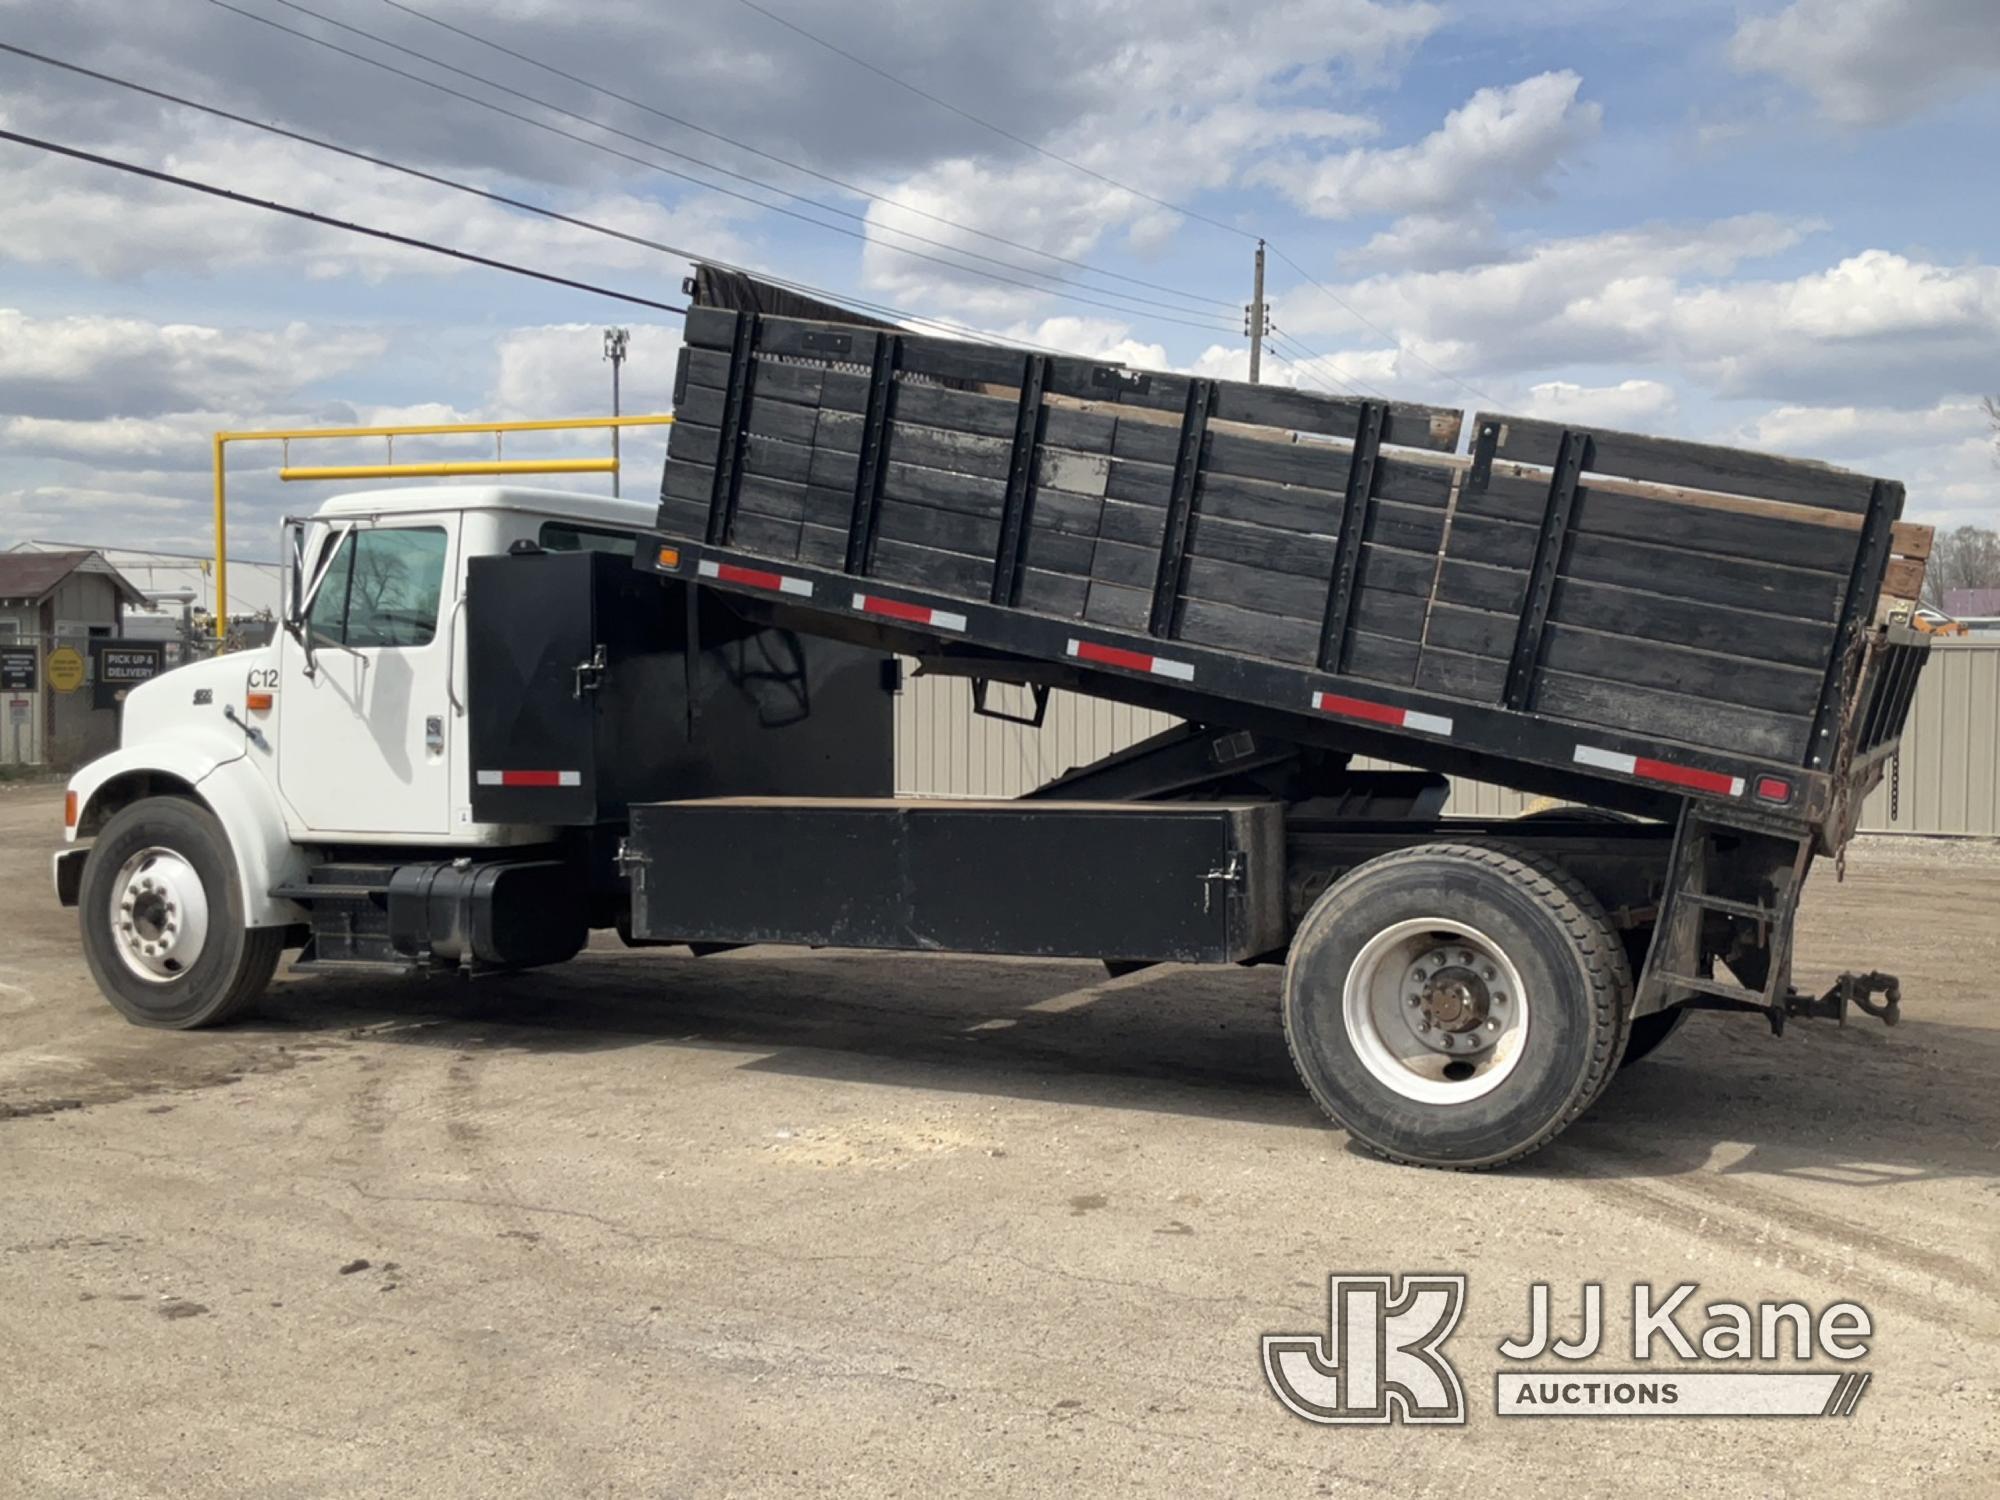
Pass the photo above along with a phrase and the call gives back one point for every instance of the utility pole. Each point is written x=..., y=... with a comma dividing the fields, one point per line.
x=1257, y=318
x=615, y=340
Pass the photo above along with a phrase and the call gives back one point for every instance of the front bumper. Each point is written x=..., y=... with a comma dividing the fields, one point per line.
x=69, y=873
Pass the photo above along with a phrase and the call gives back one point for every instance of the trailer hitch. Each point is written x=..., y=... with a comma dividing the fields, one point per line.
x=1858, y=990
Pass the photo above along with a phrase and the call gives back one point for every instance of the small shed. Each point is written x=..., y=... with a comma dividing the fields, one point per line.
x=52, y=605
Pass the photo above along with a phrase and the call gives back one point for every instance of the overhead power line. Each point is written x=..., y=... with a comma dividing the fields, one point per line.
x=413, y=242
x=800, y=167
x=505, y=200
x=1137, y=192
x=1000, y=130
x=595, y=123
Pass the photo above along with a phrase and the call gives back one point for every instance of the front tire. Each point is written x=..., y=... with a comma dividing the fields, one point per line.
x=1456, y=1006
x=163, y=921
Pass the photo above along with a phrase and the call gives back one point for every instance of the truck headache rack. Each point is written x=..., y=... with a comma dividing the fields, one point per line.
x=1694, y=620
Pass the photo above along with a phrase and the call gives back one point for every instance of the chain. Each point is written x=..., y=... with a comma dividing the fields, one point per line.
x=1895, y=783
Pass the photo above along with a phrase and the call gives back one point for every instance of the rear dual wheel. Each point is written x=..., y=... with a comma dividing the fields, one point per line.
x=1456, y=1006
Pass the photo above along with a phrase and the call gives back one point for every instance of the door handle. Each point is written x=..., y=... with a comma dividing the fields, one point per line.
x=451, y=657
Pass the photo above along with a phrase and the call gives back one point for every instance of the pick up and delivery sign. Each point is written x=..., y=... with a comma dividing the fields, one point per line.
x=122, y=666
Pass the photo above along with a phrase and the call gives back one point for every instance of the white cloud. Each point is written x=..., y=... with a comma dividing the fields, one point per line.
x=1501, y=144
x=1870, y=62
x=1628, y=404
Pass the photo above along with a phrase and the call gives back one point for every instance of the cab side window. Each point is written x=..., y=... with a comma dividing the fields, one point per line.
x=566, y=536
x=383, y=590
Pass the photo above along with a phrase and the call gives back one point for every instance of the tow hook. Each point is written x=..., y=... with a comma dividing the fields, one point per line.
x=1850, y=989
x=1231, y=872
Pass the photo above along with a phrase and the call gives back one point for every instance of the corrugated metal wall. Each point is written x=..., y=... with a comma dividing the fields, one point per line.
x=1949, y=780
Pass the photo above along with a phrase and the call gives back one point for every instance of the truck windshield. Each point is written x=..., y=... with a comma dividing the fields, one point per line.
x=383, y=590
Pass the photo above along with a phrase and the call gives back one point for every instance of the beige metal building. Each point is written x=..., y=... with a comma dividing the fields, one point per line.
x=1946, y=779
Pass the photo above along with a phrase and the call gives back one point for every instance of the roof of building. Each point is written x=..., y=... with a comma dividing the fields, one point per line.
x=608, y=510
x=1964, y=603
x=27, y=573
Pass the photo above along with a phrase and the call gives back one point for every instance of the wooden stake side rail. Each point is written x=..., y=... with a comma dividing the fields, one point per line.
x=1694, y=605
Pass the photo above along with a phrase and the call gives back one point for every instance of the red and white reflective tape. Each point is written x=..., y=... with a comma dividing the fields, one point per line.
x=1131, y=661
x=755, y=578
x=530, y=778
x=916, y=614
x=1381, y=713
x=1716, y=783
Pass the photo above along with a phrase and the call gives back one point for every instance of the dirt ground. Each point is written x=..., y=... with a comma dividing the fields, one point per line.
x=766, y=1223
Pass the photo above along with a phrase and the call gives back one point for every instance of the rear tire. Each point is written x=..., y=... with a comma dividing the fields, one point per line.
x=163, y=923
x=1456, y=1006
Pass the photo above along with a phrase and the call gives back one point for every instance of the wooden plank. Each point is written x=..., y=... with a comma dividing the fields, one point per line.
x=694, y=443
x=1314, y=465
x=700, y=405
x=1479, y=587
x=1414, y=528
x=1093, y=380
x=1699, y=466
x=1406, y=424
x=681, y=480
x=1380, y=659
x=1767, y=587
x=1146, y=442
x=1140, y=484
x=1471, y=632
x=834, y=343
x=1134, y=525
x=1501, y=544
x=1700, y=674
x=1061, y=510
x=1259, y=503
x=1678, y=622
x=1604, y=512
x=1079, y=473
x=764, y=536
x=1290, y=594
x=1398, y=616
x=927, y=526
x=1395, y=572
x=1054, y=593
x=1111, y=604
x=776, y=460
x=1412, y=483
x=1908, y=539
x=1261, y=546
x=926, y=567
x=1671, y=717
x=709, y=327
x=962, y=411
x=1476, y=678
x=1129, y=567
x=783, y=420
x=1270, y=636
x=950, y=491
x=1903, y=578
x=774, y=380
x=707, y=367
x=842, y=431
x=830, y=508
x=772, y=498
x=824, y=545
x=684, y=518
x=839, y=471
x=1080, y=431
x=1059, y=551
x=941, y=448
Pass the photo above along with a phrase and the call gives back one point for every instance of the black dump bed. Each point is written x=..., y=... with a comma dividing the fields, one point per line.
x=1556, y=604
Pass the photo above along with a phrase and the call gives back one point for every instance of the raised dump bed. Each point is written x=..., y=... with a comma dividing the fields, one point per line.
x=1621, y=609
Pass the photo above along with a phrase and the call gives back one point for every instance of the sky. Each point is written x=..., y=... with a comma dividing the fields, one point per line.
x=1762, y=222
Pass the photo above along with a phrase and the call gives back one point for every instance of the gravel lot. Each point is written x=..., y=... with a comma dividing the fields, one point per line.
x=767, y=1223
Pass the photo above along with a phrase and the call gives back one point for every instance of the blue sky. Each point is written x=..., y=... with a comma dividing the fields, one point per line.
x=1768, y=223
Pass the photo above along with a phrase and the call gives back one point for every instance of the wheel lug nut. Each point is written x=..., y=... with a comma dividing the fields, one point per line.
x=1416, y=999
x=1492, y=1025
x=1447, y=1043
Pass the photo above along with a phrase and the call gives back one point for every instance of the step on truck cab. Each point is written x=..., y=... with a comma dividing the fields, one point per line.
x=496, y=719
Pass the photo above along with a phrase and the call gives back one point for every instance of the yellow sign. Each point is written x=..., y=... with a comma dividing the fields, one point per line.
x=65, y=669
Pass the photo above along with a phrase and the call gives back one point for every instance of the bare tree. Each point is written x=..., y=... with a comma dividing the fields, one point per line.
x=1965, y=557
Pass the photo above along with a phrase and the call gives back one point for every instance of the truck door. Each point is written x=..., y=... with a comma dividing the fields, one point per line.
x=364, y=737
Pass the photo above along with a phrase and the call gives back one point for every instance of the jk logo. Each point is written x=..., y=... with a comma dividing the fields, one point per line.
x=1381, y=1359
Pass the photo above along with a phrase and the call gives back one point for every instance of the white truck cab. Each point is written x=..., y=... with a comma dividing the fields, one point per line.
x=236, y=775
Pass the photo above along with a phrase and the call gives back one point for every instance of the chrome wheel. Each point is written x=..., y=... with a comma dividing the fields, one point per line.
x=1435, y=1010
x=159, y=914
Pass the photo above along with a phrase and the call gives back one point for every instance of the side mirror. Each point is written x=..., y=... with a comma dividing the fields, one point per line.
x=303, y=582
